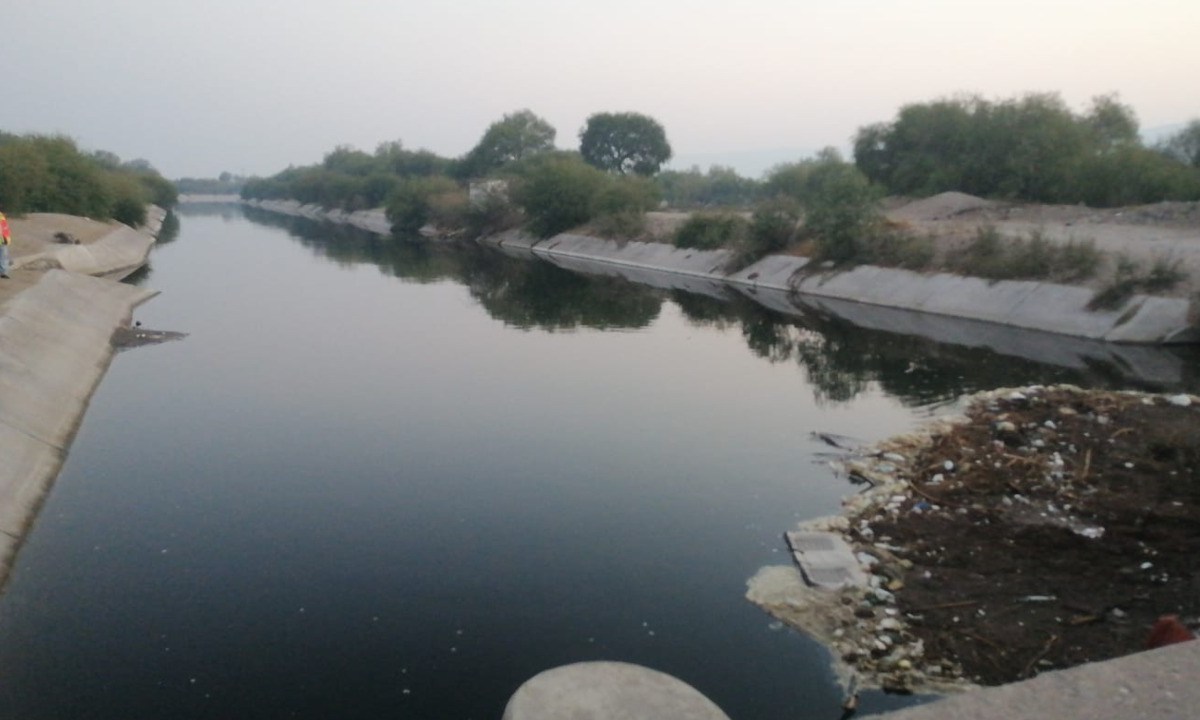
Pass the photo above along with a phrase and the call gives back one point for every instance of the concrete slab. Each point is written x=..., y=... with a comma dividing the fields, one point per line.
x=776, y=272
x=697, y=284
x=28, y=466
x=54, y=348
x=656, y=256
x=609, y=691
x=1155, y=685
x=825, y=559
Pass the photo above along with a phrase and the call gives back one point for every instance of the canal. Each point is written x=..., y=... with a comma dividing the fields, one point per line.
x=391, y=479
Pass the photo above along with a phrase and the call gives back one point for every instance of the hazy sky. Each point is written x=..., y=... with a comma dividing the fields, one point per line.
x=250, y=86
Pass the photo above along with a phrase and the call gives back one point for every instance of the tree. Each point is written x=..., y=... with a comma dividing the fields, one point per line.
x=624, y=143
x=1113, y=123
x=1184, y=145
x=515, y=137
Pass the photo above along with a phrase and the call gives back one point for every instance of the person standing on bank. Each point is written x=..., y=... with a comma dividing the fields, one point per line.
x=5, y=239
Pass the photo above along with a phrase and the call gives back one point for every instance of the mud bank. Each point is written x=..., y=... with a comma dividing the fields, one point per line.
x=1040, y=306
x=57, y=321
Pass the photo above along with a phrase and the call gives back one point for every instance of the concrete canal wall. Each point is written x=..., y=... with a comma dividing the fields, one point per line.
x=1047, y=307
x=370, y=220
x=1031, y=305
x=57, y=319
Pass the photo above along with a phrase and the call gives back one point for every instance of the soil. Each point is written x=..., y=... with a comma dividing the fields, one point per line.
x=1050, y=529
x=1147, y=234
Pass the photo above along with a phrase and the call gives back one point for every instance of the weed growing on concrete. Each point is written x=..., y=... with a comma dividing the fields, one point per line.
x=1130, y=277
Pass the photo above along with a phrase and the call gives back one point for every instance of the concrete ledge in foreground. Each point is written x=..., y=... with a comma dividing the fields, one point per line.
x=1161, y=684
x=609, y=691
x=115, y=255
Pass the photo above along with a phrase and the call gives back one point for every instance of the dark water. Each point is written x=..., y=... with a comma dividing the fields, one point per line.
x=384, y=479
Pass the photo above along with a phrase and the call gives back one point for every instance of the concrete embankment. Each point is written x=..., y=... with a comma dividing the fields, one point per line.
x=57, y=319
x=370, y=220
x=1046, y=307
x=1030, y=305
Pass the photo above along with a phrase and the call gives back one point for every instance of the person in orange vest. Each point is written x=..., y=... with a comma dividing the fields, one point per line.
x=5, y=239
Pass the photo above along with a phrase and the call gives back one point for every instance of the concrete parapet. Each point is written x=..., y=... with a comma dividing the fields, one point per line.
x=609, y=691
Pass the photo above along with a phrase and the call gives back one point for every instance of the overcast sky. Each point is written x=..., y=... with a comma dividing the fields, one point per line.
x=198, y=87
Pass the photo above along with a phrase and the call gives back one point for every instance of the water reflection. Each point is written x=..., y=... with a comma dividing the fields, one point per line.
x=839, y=359
x=519, y=293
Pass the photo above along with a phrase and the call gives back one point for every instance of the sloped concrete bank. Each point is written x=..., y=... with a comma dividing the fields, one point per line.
x=1047, y=307
x=370, y=220
x=55, y=346
x=1030, y=305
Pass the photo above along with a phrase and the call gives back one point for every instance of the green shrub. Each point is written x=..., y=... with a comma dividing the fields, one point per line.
x=842, y=212
x=420, y=201
x=773, y=226
x=628, y=194
x=130, y=210
x=709, y=231
x=493, y=213
x=558, y=192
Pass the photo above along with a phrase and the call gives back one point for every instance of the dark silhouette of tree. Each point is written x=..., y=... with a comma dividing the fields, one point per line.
x=624, y=143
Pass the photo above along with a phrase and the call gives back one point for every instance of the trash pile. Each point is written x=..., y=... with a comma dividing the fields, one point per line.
x=1048, y=527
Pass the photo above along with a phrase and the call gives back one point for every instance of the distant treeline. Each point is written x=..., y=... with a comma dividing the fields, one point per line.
x=48, y=173
x=1031, y=148
x=348, y=178
x=224, y=184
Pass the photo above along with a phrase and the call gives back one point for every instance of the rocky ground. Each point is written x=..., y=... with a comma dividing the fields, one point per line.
x=1048, y=528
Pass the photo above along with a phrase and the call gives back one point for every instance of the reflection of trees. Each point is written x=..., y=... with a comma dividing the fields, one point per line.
x=520, y=292
x=226, y=211
x=533, y=293
x=841, y=360
x=169, y=230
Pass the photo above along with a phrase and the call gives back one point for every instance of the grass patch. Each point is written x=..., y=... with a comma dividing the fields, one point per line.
x=621, y=225
x=900, y=250
x=1131, y=277
x=995, y=257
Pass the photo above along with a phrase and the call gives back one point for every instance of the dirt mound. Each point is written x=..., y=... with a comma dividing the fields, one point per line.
x=940, y=207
